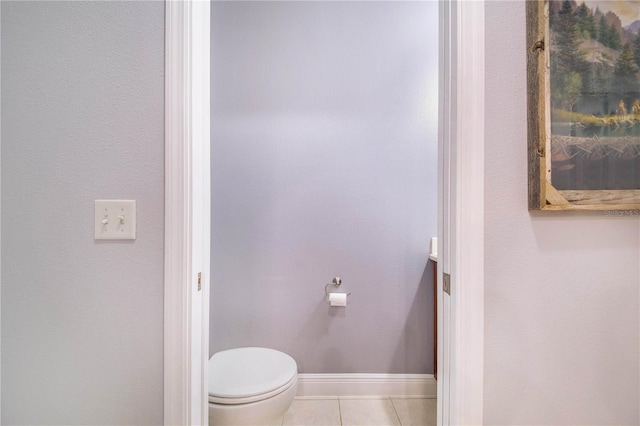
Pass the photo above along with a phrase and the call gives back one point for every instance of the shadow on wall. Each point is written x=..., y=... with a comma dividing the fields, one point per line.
x=417, y=336
x=564, y=231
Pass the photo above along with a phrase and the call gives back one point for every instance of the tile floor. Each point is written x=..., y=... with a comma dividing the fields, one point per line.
x=360, y=412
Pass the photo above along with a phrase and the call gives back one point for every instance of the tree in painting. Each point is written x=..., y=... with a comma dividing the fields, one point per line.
x=625, y=76
x=568, y=65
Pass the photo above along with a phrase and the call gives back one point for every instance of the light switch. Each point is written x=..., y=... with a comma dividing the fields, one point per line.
x=115, y=220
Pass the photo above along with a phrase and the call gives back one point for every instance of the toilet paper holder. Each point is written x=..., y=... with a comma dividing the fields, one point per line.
x=336, y=283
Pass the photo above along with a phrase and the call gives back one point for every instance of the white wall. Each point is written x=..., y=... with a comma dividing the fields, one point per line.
x=561, y=290
x=324, y=153
x=82, y=119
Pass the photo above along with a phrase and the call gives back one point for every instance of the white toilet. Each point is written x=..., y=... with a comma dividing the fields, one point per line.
x=250, y=386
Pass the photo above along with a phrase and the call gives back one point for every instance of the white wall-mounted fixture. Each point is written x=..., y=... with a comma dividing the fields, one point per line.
x=115, y=220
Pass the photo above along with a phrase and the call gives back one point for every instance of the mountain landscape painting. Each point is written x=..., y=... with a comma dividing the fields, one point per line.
x=594, y=78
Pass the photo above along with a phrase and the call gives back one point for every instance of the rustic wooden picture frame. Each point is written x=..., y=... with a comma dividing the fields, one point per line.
x=544, y=194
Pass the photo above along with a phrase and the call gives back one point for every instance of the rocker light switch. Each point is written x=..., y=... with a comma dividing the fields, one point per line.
x=115, y=220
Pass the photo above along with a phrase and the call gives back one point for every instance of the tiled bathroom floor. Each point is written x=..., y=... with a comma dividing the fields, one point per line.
x=360, y=412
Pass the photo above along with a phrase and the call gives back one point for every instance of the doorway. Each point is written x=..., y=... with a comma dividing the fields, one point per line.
x=187, y=195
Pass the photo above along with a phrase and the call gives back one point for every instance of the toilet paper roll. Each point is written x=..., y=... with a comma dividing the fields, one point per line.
x=338, y=299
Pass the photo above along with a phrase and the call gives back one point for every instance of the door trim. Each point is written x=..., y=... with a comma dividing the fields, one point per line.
x=187, y=211
x=461, y=211
x=467, y=381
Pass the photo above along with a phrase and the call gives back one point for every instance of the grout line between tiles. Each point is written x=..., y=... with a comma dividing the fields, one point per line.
x=340, y=411
x=395, y=410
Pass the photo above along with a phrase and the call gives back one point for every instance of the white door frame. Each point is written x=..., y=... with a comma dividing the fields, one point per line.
x=461, y=213
x=187, y=212
x=187, y=209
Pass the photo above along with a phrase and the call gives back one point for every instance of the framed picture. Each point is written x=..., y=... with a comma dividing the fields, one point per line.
x=583, y=99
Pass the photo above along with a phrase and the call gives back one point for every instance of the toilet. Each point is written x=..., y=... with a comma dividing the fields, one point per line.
x=250, y=386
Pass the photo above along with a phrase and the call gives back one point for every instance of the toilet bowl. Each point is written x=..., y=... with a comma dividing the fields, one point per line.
x=250, y=386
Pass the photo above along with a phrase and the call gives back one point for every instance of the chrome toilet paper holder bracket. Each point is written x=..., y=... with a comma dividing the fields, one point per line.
x=336, y=283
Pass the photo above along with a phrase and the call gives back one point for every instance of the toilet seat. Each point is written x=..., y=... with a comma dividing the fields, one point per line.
x=255, y=398
x=244, y=375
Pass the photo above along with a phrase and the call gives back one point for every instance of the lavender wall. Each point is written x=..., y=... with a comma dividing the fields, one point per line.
x=561, y=289
x=82, y=119
x=324, y=150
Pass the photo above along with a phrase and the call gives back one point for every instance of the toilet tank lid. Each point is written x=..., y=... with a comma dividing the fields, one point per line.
x=244, y=372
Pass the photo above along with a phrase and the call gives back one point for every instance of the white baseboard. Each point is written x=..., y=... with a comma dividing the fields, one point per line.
x=398, y=385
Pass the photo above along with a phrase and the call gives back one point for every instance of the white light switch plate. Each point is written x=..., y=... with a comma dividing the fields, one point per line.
x=115, y=219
